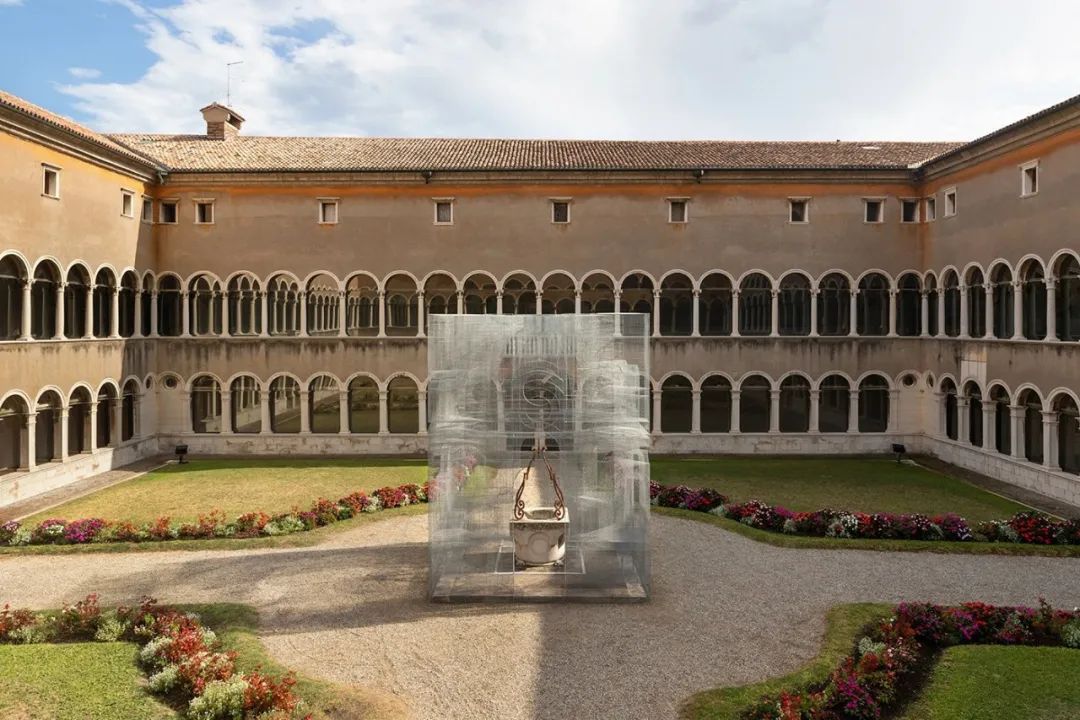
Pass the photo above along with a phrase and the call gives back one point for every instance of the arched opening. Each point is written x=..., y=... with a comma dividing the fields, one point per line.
x=13, y=413
x=597, y=294
x=104, y=286
x=834, y=404
x=323, y=305
x=794, y=404
x=715, y=404
x=909, y=306
x=245, y=405
x=558, y=295
x=282, y=306
x=363, y=405
x=834, y=306
x=1002, y=420
x=976, y=303
x=146, y=297
x=401, y=306
x=794, y=305
x=874, y=404
x=440, y=296
x=948, y=397
x=402, y=405
x=636, y=296
x=128, y=296
x=480, y=296
x=106, y=428
x=975, y=413
x=1033, y=426
x=676, y=405
x=12, y=279
x=1001, y=281
x=714, y=305
x=951, y=286
x=76, y=300
x=169, y=322
x=284, y=405
x=1067, y=281
x=932, y=301
x=324, y=403
x=43, y=301
x=755, y=305
x=519, y=295
x=1068, y=438
x=245, y=305
x=362, y=306
x=204, y=306
x=872, y=308
x=205, y=405
x=79, y=428
x=755, y=404
x=129, y=415
x=1033, y=284
x=47, y=429
x=677, y=305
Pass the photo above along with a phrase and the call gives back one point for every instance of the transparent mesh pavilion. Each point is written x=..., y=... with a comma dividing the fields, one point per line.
x=538, y=457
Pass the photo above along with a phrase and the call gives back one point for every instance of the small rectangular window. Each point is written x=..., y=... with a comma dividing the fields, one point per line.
x=677, y=210
x=147, y=210
x=950, y=202
x=930, y=209
x=168, y=212
x=50, y=181
x=328, y=211
x=909, y=211
x=127, y=203
x=560, y=212
x=1029, y=178
x=873, y=210
x=204, y=212
x=798, y=210
x=444, y=211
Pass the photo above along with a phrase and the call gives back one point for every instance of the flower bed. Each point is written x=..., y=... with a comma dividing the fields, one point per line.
x=1026, y=527
x=57, y=531
x=878, y=675
x=182, y=658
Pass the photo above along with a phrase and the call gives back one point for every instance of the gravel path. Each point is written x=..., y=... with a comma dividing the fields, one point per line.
x=725, y=610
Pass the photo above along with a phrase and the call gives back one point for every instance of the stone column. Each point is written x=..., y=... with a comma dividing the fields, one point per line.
x=735, y=313
x=28, y=444
x=59, y=318
x=656, y=314
x=736, y=410
x=153, y=313
x=226, y=412
x=91, y=419
x=853, y=313
x=1018, y=310
x=421, y=412
x=924, y=313
x=264, y=411
x=88, y=314
x=962, y=430
x=617, y=294
x=498, y=303
x=775, y=309
x=344, y=415
x=696, y=332
x=384, y=414
x=1051, y=310
x=114, y=313
x=774, y=410
x=1016, y=425
x=185, y=316
x=539, y=302
x=305, y=412
x=27, y=315
x=264, y=326
x=224, y=315
x=943, y=413
x=814, y=293
x=894, y=411
x=302, y=298
x=577, y=302
x=656, y=407
x=815, y=411
x=941, y=313
x=65, y=418
x=964, y=329
x=420, y=332
x=695, y=412
x=460, y=302
x=382, y=314
x=137, y=319
x=990, y=425
x=988, y=304
x=853, y=411
x=892, y=312
x=187, y=429
x=1050, y=428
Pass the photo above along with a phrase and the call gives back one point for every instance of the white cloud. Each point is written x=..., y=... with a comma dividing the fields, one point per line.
x=10, y=2
x=599, y=68
x=83, y=73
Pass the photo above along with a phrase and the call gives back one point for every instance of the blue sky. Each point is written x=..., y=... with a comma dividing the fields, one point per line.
x=635, y=69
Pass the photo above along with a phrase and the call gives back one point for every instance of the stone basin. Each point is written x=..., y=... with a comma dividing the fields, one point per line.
x=539, y=537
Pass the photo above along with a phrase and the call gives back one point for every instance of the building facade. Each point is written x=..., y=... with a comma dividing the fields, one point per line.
x=246, y=294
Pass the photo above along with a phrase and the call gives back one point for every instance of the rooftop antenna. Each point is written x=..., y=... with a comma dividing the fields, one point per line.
x=228, y=81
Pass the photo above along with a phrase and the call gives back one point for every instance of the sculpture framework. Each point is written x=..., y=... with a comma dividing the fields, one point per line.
x=538, y=457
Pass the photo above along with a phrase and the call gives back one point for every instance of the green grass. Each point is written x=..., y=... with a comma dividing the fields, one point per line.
x=843, y=624
x=77, y=681
x=812, y=483
x=236, y=486
x=992, y=682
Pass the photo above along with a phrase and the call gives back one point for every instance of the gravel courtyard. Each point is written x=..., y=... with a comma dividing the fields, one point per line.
x=725, y=610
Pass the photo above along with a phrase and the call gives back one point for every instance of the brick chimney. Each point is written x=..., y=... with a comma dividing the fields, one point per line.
x=222, y=123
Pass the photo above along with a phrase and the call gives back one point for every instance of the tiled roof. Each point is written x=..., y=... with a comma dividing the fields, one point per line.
x=70, y=126
x=196, y=153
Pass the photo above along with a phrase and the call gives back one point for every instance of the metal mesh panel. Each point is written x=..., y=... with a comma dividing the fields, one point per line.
x=538, y=456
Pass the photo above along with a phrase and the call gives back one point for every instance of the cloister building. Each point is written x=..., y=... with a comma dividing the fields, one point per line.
x=246, y=294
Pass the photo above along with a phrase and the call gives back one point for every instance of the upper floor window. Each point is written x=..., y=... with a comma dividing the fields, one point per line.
x=560, y=211
x=204, y=212
x=328, y=211
x=799, y=210
x=169, y=212
x=930, y=209
x=1029, y=178
x=127, y=203
x=678, y=210
x=50, y=181
x=873, y=210
x=444, y=211
x=147, y=210
x=950, y=202
x=909, y=211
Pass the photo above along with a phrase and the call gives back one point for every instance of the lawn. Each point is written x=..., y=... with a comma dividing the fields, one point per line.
x=991, y=682
x=812, y=483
